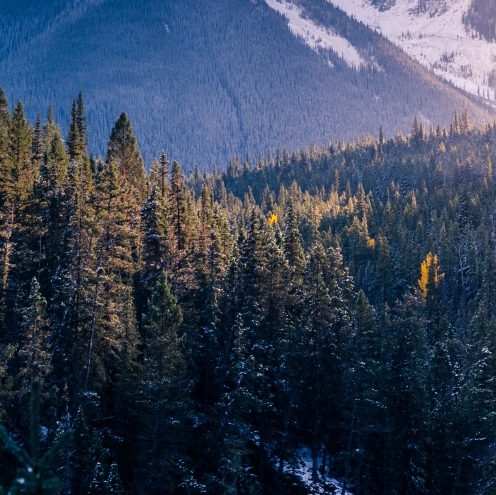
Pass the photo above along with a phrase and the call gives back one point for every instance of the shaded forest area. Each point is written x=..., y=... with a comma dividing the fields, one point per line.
x=481, y=17
x=196, y=332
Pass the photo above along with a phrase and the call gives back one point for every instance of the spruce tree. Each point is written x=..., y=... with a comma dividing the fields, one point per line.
x=113, y=273
x=406, y=397
x=4, y=127
x=21, y=218
x=159, y=174
x=161, y=421
x=327, y=320
x=38, y=143
x=97, y=485
x=71, y=277
x=34, y=354
x=76, y=139
x=113, y=484
x=123, y=150
x=178, y=206
x=16, y=177
x=77, y=144
x=154, y=249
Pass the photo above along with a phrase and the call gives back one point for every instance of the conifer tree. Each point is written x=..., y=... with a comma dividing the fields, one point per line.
x=406, y=397
x=327, y=319
x=126, y=392
x=155, y=252
x=159, y=174
x=97, y=485
x=123, y=150
x=77, y=145
x=38, y=144
x=114, y=271
x=178, y=206
x=76, y=139
x=207, y=259
x=293, y=249
x=16, y=179
x=70, y=278
x=86, y=459
x=53, y=171
x=183, y=222
x=113, y=484
x=21, y=216
x=250, y=262
x=4, y=127
x=34, y=354
x=362, y=380
x=161, y=422
x=383, y=291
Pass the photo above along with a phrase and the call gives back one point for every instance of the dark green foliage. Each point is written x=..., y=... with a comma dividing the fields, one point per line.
x=123, y=151
x=4, y=126
x=34, y=356
x=34, y=477
x=200, y=333
x=76, y=139
x=17, y=175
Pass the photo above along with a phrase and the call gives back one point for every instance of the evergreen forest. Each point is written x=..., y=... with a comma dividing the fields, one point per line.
x=481, y=18
x=197, y=332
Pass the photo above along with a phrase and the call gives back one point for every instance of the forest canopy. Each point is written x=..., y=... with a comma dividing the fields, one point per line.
x=198, y=333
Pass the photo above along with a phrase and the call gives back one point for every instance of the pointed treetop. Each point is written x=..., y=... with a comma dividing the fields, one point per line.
x=4, y=107
x=159, y=174
x=123, y=150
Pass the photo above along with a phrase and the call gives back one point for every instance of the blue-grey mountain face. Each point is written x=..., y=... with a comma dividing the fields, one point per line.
x=208, y=79
x=481, y=17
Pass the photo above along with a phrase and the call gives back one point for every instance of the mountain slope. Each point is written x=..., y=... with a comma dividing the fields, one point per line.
x=453, y=38
x=207, y=80
x=481, y=16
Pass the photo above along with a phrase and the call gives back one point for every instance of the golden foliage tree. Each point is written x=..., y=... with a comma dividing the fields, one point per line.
x=430, y=275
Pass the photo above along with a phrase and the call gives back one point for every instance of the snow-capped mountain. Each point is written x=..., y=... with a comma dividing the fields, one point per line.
x=432, y=32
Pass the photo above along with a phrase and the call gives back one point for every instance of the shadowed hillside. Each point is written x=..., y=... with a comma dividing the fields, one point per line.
x=209, y=79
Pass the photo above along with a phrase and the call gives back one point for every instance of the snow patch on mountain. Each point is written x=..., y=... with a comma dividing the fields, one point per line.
x=435, y=37
x=315, y=36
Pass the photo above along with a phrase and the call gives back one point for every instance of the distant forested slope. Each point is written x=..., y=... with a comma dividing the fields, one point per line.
x=209, y=79
x=481, y=17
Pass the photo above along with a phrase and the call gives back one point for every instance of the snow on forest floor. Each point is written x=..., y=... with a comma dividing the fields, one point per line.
x=315, y=36
x=435, y=38
x=302, y=468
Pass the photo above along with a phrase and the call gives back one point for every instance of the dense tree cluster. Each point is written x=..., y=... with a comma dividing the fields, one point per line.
x=197, y=332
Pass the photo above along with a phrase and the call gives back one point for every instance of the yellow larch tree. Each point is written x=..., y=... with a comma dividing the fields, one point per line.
x=430, y=274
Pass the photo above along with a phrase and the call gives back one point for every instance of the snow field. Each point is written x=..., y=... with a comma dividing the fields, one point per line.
x=315, y=36
x=436, y=39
